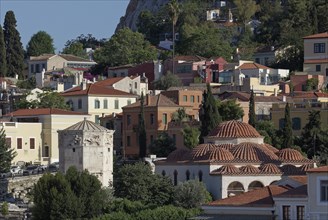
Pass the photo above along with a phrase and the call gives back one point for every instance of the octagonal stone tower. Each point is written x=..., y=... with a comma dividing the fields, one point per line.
x=87, y=145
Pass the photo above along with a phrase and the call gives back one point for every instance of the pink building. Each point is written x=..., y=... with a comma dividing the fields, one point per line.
x=299, y=81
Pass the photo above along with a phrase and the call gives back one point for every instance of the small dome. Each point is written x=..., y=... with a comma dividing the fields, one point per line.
x=178, y=154
x=201, y=150
x=273, y=149
x=227, y=169
x=219, y=154
x=270, y=168
x=289, y=154
x=306, y=167
x=249, y=169
x=289, y=169
x=234, y=129
x=226, y=146
x=253, y=152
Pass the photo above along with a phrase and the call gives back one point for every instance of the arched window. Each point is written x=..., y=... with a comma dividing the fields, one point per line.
x=255, y=185
x=79, y=104
x=187, y=175
x=175, y=179
x=105, y=104
x=296, y=124
x=200, y=176
x=97, y=104
x=235, y=188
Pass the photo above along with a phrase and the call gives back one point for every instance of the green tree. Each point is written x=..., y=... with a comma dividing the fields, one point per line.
x=166, y=81
x=5, y=209
x=137, y=183
x=210, y=116
x=29, y=83
x=191, y=194
x=54, y=199
x=88, y=41
x=142, y=130
x=312, y=84
x=125, y=47
x=7, y=154
x=174, y=11
x=180, y=115
x=14, y=48
x=190, y=136
x=75, y=48
x=3, y=62
x=270, y=134
x=230, y=110
x=40, y=43
x=251, y=113
x=163, y=145
x=245, y=10
x=287, y=130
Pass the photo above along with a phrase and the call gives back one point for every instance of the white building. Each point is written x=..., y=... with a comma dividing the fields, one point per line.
x=87, y=146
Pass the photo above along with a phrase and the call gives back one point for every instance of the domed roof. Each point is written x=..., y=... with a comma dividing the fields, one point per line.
x=289, y=154
x=178, y=154
x=270, y=168
x=290, y=169
x=226, y=146
x=306, y=167
x=234, y=129
x=86, y=125
x=253, y=152
x=249, y=169
x=227, y=169
x=201, y=150
x=219, y=154
x=273, y=149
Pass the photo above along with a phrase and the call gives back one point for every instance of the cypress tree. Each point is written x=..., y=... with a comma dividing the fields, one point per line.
x=287, y=131
x=14, y=48
x=251, y=113
x=7, y=154
x=210, y=117
x=142, y=130
x=3, y=62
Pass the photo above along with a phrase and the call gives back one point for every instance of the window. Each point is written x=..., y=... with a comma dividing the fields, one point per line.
x=32, y=68
x=37, y=68
x=324, y=190
x=163, y=173
x=97, y=121
x=79, y=104
x=128, y=141
x=97, y=104
x=319, y=48
x=135, y=85
x=300, y=212
x=317, y=68
x=129, y=101
x=175, y=181
x=286, y=212
x=188, y=175
x=116, y=104
x=19, y=143
x=200, y=176
x=296, y=124
x=192, y=99
x=198, y=99
x=184, y=98
x=32, y=143
x=46, y=151
x=151, y=138
x=152, y=119
x=105, y=104
x=43, y=66
x=257, y=60
x=128, y=119
x=8, y=142
x=281, y=123
x=266, y=61
x=164, y=118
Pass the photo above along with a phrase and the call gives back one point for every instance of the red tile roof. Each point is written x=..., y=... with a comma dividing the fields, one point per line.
x=190, y=58
x=255, y=198
x=159, y=100
x=316, y=61
x=70, y=57
x=320, y=35
x=42, y=111
x=288, y=154
x=236, y=129
x=247, y=151
x=301, y=179
x=323, y=169
x=246, y=66
x=93, y=89
x=299, y=192
x=42, y=57
x=109, y=81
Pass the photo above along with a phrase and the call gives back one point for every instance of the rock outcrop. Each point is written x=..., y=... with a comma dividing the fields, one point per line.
x=133, y=10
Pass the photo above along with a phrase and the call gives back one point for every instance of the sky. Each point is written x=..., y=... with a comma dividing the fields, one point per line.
x=64, y=20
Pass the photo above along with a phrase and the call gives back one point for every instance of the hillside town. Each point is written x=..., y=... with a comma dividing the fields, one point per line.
x=161, y=122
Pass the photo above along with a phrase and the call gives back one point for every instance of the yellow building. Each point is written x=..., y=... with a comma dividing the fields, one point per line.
x=42, y=126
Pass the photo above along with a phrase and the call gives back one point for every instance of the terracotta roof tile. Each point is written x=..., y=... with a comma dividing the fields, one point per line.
x=299, y=192
x=290, y=169
x=179, y=154
x=93, y=89
x=323, y=169
x=218, y=154
x=270, y=168
x=316, y=61
x=288, y=154
x=201, y=150
x=271, y=148
x=70, y=57
x=158, y=100
x=226, y=170
x=234, y=129
x=301, y=179
x=252, y=152
x=190, y=58
x=247, y=66
x=320, y=35
x=255, y=198
x=42, y=57
x=249, y=169
x=42, y=111
x=109, y=81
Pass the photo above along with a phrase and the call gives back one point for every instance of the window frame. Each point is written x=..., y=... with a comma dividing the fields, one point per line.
x=300, y=212
x=32, y=146
x=319, y=48
x=97, y=104
x=105, y=103
x=79, y=103
x=318, y=68
x=19, y=145
x=323, y=184
x=116, y=104
x=286, y=212
x=164, y=118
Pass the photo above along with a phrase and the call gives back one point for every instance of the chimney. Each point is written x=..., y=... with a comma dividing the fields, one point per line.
x=275, y=92
x=284, y=98
x=83, y=85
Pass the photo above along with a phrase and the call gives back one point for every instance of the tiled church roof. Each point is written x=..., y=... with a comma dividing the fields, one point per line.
x=234, y=129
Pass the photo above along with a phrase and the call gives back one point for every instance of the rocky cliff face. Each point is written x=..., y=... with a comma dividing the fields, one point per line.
x=133, y=10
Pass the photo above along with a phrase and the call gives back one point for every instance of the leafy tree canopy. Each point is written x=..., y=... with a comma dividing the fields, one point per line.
x=271, y=135
x=87, y=41
x=7, y=154
x=163, y=145
x=166, y=81
x=230, y=110
x=3, y=61
x=75, y=48
x=180, y=115
x=191, y=136
x=40, y=43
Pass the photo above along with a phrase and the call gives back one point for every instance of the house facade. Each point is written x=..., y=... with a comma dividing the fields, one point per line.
x=97, y=100
x=46, y=122
x=316, y=54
